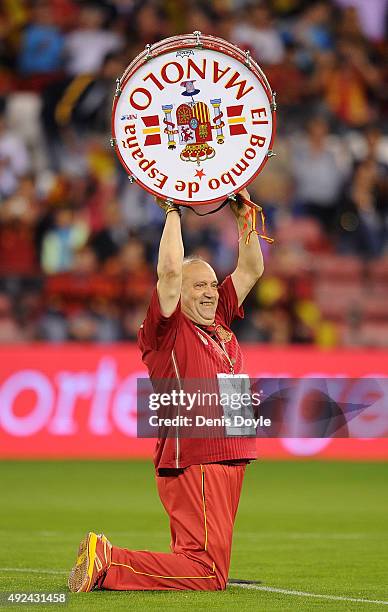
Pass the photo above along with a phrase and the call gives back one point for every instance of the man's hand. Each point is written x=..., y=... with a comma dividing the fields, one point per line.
x=166, y=206
x=238, y=207
x=161, y=203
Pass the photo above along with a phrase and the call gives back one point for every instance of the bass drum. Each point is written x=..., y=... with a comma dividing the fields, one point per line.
x=193, y=119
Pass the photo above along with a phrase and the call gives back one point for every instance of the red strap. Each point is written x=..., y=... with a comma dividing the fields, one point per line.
x=251, y=216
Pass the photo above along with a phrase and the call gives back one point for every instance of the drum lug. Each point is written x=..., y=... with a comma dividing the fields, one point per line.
x=197, y=35
x=131, y=178
x=118, y=88
x=273, y=104
x=271, y=153
x=113, y=142
x=248, y=58
x=148, y=48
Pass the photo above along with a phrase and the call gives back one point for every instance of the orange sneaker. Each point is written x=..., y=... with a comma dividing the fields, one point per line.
x=93, y=561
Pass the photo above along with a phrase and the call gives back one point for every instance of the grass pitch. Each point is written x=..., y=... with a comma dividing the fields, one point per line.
x=312, y=527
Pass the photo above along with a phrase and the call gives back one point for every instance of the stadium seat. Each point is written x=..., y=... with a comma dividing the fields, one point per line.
x=335, y=267
x=378, y=270
x=375, y=334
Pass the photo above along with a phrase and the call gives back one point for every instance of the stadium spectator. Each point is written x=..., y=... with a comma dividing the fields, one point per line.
x=87, y=46
x=14, y=158
x=18, y=216
x=41, y=46
x=135, y=271
x=345, y=80
x=312, y=31
x=318, y=180
x=10, y=330
x=59, y=244
x=148, y=24
x=258, y=34
x=363, y=220
x=201, y=18
x=112, y=236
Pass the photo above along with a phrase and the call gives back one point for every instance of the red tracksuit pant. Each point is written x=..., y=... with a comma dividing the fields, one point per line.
x=202, y=503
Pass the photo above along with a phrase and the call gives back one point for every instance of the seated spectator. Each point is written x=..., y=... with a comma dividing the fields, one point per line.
x=41, y=48
x=259, y=35
x=14, y=157
x=92, y=111
x=363, y=230
x=371, y=143
x=53, y=324
x=83, y=327
x=289, y=82
x=313, y=29
x=86, y=47
x=318, y=180
x=18, y=216
x=148, y=25
x=201, y=18
x=137, y=275
x=109, y=240
x=89, y=326
x=60, y=243
x=29, y=308
x=345, y=81
x=83, y=284
x=10, y=330
x=132, y=317
x=13, y=17
x=373, y=146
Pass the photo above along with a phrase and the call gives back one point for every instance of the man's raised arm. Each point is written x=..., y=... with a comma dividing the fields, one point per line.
x=250, y=265
x=170, y=260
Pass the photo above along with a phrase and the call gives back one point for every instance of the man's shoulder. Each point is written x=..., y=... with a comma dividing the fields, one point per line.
x=158, y=332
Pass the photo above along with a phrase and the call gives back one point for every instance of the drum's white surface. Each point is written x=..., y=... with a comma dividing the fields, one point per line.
x=160, y=169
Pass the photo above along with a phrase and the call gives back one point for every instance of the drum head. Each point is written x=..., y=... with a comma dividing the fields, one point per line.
x=192, y=122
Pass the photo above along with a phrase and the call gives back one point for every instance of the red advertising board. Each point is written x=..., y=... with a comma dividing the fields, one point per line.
x=80, y=401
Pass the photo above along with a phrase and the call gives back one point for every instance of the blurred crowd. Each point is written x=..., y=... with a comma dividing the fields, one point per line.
x=78, y=241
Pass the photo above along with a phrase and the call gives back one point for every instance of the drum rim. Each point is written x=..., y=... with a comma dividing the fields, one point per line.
x=191, y=42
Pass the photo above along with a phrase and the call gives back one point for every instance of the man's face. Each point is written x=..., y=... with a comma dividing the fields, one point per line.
x=199, y=292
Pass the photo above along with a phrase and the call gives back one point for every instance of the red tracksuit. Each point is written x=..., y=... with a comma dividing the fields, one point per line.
x=199, y=480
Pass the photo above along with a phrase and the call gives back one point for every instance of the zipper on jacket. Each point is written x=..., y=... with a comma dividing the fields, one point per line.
x=177, y=448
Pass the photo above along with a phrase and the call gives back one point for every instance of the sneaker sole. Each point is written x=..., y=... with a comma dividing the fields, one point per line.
x=82, y=573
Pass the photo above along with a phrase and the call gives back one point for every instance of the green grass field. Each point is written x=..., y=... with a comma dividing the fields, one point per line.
x=313, y=527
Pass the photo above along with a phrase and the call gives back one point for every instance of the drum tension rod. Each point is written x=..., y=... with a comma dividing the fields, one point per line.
x=198, y=34
x=118, y=87
x=271, y=153
x=273, y=104
x=113, y=142
x=131, y=178
x=248, y=58
x=232, y=196
x=148, y=48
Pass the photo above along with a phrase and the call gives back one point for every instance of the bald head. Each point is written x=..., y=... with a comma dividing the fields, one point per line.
x=199, y=291
x=194, y=264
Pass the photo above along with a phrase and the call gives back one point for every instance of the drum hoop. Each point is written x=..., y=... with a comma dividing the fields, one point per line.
x=190, y=41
